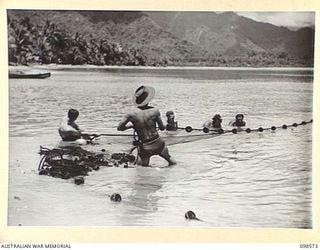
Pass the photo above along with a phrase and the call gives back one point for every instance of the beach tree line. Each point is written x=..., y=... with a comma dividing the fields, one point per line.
x=30, y=43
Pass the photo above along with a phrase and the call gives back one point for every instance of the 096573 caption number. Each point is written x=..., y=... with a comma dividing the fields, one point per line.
x=308, y=246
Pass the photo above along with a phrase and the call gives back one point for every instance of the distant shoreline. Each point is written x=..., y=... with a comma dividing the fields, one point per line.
x=88, y=66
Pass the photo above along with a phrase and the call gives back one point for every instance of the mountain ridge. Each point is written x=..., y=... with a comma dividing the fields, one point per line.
x=185, y=38
x=229, y=28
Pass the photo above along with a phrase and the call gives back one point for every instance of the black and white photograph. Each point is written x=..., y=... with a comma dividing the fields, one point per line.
x=139, y=118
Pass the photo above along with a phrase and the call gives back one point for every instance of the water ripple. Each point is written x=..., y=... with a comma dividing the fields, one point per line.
x=255, y=180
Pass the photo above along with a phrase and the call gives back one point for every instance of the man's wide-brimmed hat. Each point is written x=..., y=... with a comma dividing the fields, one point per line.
x=143, y=95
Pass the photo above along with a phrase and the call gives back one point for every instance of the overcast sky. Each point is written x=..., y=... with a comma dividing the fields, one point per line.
x=289, y=19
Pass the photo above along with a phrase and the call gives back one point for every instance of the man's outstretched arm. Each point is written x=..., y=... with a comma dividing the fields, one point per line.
x=123, y=125
x=160, y=123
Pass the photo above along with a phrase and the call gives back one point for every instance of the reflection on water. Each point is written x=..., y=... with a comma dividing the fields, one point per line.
x=242, y=180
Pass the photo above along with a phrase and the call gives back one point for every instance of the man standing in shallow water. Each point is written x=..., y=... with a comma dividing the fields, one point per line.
x=144, y=120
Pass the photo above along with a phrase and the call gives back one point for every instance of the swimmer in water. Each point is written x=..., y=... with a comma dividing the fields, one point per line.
x=238, y=122
x=172, y=125
x=215, y=123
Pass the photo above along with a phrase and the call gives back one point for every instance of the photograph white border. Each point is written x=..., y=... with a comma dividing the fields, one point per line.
x=154, y=234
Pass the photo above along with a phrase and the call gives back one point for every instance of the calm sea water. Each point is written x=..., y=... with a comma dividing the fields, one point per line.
x=256, y=180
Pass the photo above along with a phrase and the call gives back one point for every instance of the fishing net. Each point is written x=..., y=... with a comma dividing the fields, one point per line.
x=70, y=161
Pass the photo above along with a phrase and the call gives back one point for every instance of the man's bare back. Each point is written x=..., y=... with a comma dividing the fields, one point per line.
x=144, y=121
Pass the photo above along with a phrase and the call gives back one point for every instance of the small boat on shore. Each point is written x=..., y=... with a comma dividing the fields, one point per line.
x=29, y=75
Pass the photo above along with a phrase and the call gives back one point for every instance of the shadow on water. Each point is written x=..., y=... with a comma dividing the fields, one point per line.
x=142, y=199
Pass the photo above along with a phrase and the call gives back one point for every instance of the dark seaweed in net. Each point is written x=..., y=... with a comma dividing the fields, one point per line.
x=70, y=161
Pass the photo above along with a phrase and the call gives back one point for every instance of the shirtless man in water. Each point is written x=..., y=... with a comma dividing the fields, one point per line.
x=215, y=123
x=69, y=130
x=144, y=120
x=238, y=122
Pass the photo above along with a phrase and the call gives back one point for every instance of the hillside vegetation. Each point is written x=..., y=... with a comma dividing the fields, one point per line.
x=153, y=38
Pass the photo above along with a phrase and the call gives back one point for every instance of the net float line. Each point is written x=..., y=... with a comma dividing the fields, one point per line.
x=248, y=130
x=189, y=129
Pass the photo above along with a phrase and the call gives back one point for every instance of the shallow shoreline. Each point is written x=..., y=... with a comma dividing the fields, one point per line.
x=88, y=66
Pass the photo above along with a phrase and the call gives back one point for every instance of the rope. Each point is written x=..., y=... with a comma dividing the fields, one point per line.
x=104, y=134
x=115, y=135
x=41, y=163
x=135, y=142
x=211, y=131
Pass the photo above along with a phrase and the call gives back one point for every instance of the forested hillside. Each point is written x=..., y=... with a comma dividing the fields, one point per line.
x=153, y=38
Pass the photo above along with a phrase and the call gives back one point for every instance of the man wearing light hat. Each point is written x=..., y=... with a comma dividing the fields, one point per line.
x=144, y=120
